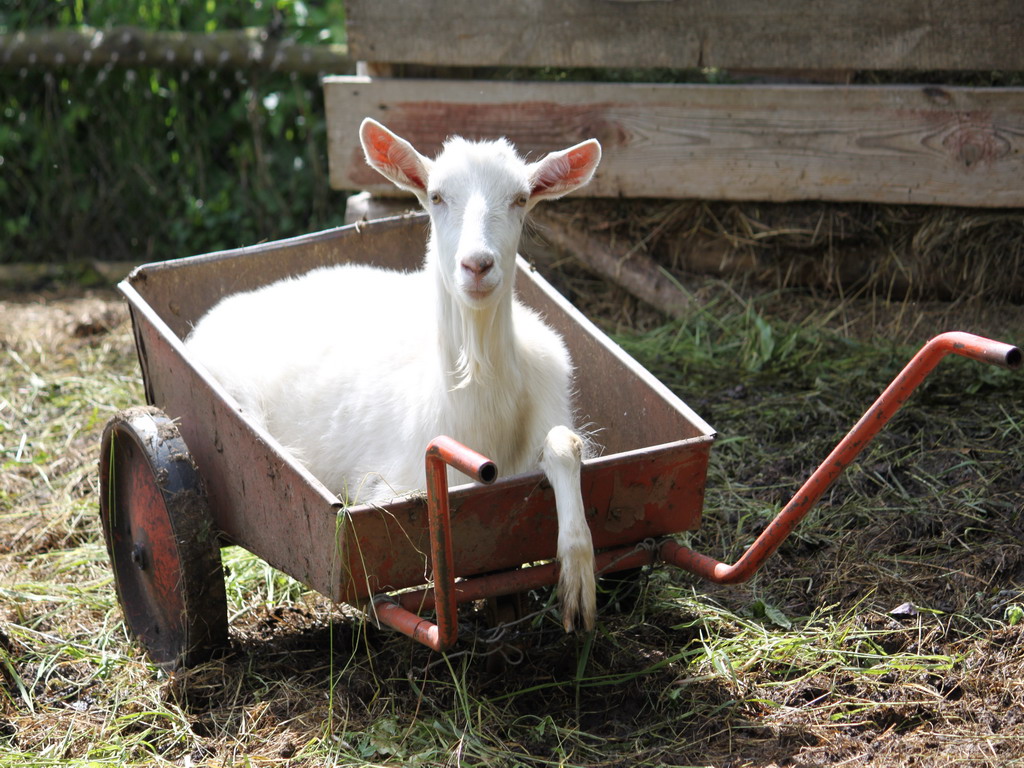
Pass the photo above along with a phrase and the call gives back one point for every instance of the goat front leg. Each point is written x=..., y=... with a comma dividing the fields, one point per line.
x=561, y=460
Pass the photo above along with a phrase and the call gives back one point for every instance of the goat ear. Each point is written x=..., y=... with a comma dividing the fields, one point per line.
x=559, y=173
x=394, y=157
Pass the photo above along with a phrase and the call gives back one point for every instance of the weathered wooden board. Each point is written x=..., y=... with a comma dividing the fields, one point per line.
x=893, y=144
x=731, y=34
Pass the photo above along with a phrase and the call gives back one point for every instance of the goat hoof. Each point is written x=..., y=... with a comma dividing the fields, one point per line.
x=577, y=590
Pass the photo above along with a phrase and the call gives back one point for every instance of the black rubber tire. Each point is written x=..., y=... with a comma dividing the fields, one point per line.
x=161, y=540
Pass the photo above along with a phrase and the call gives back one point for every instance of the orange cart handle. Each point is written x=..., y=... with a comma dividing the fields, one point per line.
x=877, y=416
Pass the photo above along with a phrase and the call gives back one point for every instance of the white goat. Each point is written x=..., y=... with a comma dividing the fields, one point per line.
x=356, y=369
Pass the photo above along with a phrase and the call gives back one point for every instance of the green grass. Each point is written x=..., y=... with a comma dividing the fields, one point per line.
x=804, y=665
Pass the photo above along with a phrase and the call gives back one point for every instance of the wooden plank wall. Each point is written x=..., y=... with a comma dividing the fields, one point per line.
x=958, y=146
x=894, y=144
x=730, y=34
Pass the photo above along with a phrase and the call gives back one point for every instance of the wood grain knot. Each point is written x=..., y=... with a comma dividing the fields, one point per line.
x=974, y=141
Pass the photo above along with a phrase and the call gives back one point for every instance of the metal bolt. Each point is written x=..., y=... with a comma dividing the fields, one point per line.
x=139, y=556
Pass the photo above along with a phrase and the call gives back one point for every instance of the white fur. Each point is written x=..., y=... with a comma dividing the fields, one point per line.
x=356, y=369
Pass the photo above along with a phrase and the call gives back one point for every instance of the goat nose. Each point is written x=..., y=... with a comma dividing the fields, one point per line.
x=479, y=264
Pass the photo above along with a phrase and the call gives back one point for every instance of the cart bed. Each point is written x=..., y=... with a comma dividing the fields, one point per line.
x=648, y=481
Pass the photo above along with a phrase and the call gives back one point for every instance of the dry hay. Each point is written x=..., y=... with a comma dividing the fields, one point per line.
x=889, y=252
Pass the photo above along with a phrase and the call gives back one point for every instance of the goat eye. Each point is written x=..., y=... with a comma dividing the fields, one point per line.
x=521, y=200
x=436, y=199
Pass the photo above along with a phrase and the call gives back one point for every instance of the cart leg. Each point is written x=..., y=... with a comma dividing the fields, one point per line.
x=441, y=452
x=160, y=538
x=402, y=611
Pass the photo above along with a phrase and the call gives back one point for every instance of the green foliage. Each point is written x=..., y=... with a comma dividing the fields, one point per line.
x=768, y=613
x=315, y=21
x=143, y=164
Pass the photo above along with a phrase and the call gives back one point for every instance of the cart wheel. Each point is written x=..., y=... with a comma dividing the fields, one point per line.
x=161, y=541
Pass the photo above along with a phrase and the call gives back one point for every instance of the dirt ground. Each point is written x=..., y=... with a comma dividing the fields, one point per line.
x=889, y=631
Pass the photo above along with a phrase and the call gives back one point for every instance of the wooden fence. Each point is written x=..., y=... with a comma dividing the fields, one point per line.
x=899, y=143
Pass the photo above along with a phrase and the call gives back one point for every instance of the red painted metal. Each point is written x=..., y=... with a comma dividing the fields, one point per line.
x=629, y=498
x=966, y=344
x=522, y=580
x=408, y=623
x=401, y=612
x=442, y=452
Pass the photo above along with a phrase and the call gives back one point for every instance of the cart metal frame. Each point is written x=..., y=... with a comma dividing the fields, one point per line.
x=190, y=473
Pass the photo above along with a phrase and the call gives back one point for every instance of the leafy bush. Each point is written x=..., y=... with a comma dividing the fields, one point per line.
x=147, y=163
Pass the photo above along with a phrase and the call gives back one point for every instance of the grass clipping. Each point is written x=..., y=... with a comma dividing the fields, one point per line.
x=888, y=630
